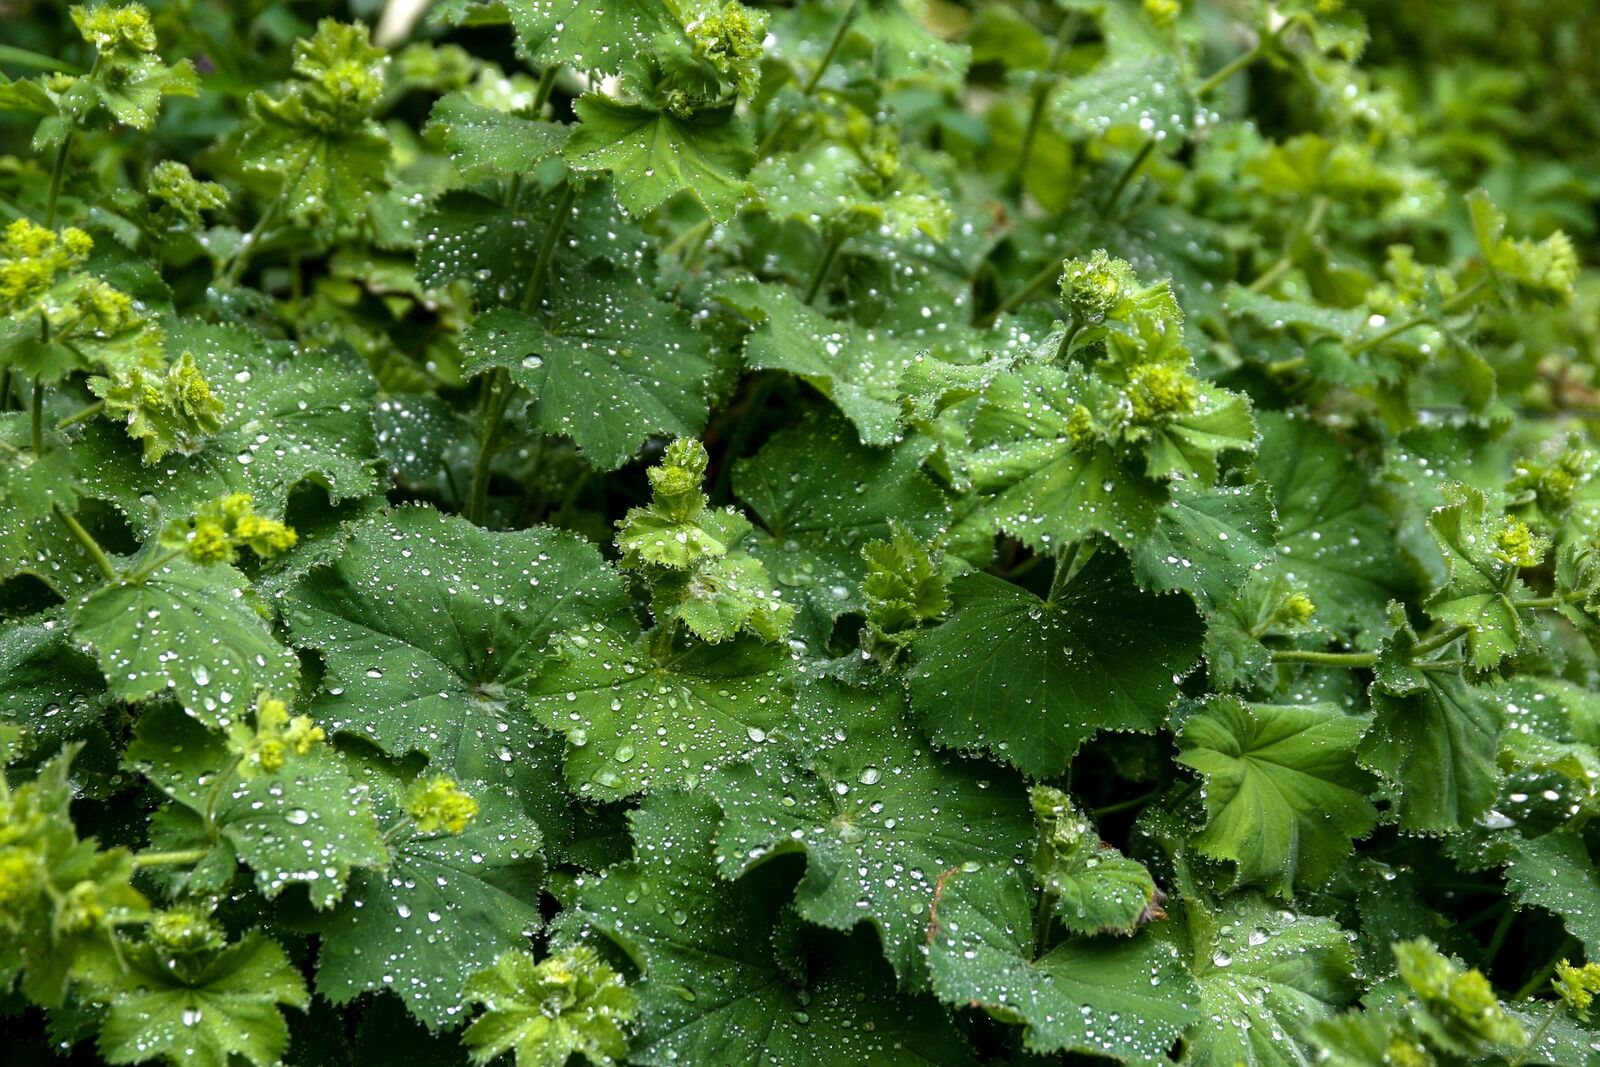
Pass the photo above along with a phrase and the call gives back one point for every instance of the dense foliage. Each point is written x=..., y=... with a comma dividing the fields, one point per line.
x=896, y=532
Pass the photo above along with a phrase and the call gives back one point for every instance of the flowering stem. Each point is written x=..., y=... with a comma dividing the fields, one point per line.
x=812, y=82
x=101, y=561
x=1128, y=172
x=1046, y=274
x=38, y=418
x=248, y=244
x=177, y=858
x=154, y=565
x=1326, y=659
x=830, y=252
x=57, y=172
x=87, y=413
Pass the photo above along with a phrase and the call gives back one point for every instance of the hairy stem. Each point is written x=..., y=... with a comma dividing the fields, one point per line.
x=176, y=858
x=830, y=252
x=812, y=82
x=57, y=172
x=102, y=562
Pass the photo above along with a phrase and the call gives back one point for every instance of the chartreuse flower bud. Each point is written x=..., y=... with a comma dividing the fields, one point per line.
x=1158, y=391
x=32, y=259
x=124, y=28
x=22, y=874
x=1577, y=986
x=181, y=194
x=1093, y=287
x=276, y=736
x=438, y=804
x=1162, y=12
x=344, y=69
x=223, y=526
x=185, y=931
x=729, y=38
x=1460, y=1002
x=1519, y=546
x=1296, y=609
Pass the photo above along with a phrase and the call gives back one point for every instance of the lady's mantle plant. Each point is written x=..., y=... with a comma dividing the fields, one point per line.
x=848, y=532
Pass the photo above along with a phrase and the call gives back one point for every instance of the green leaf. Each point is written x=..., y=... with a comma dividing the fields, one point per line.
x=203, y=1016
x=1480, y=592
x=1438, y=745
x=654, y=155
x=1317, y=320
x=1029, y=680
x=822, y=495
x=49, y=689
x=876, y=814
x=1206, y=543
x=858, y=369
x=1092, y=887
x=446, y=906
x=1039, y=488
x=1333, y=542
x=1145, y=91
x=431, y=627
x=1555, y=872
x=712, y=989
x=1126, y=998
x=1186, y=446
x=637, y=719
x=1266, y=978
x=602, y=344
x=187, y=631
x=1284, y=796
x=32, y=540
x=570, y=32
x=308, y=823
x=546, y=1012
x=287, y=419
x=483, y=142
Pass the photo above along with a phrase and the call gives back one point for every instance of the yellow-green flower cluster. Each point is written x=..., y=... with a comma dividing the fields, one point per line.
x=277, y=734
x=1519, y=546
x=1460, y=1001
x=729, y=38
x=1158, y=390
x=343, y=72
x=224, y=526
x=439, y=804
x=124, y=28
x=1577, y=986
x=182, y=195
x=32, y=260
x=185, y=931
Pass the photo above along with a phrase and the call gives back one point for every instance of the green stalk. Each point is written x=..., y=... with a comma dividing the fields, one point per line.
x=1127, y=176
x=251, y=240
x=37, y=411
x=177, y=858
x=87, y=413
x=1326, y=659
x=57, y=172
x=812, y=82
x=1041, y=92
x=154, y=565
x=499, y=388
x=830, y=252
x=1045, y=275
x=101, y=561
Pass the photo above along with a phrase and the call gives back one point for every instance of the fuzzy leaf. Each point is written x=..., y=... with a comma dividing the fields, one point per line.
x=1124, y=998
x=1283, y=792
x=1029, y=680
x=431, y=627
x=877, y=815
